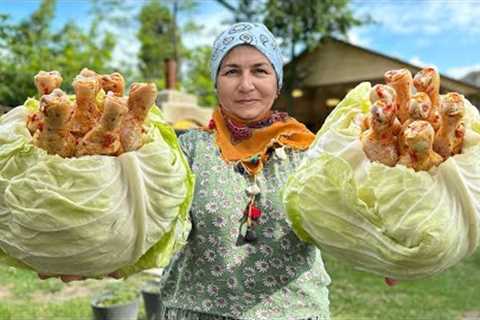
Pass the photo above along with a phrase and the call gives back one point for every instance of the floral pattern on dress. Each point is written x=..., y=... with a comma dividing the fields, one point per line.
x=278, y=277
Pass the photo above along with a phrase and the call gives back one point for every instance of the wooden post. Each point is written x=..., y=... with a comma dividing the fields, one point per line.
x=170, y=73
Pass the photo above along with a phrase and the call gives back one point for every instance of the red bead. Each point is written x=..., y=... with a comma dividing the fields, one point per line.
x=211, y=124
x=255, y=213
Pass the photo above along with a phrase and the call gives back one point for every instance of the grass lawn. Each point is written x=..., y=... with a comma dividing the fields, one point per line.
x=450, y=295
x=354, y=295
x=25, y=297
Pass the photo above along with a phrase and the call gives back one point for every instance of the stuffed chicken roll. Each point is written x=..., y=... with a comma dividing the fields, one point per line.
x=389, y=220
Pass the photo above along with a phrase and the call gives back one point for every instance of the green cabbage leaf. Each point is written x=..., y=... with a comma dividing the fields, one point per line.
x=92, y=215
x=390, y=221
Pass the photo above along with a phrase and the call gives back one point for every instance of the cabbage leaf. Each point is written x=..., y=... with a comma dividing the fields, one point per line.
x=95, y=214
x=391, y=221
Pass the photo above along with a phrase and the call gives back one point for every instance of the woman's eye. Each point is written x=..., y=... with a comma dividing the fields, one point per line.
x=230, y=72
x=261, y=71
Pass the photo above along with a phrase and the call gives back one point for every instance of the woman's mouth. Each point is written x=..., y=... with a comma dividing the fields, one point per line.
x=247, y=101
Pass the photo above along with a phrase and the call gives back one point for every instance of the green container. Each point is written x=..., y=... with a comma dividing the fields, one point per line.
x=151, y=299
x=120, y=311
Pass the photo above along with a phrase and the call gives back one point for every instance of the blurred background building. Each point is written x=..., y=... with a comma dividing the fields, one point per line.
x=329, y=71
x=182, y=111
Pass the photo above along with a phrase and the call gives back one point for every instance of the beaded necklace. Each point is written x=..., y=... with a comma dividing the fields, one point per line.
x=252, y=213
x=271, y=134
x=242, y=132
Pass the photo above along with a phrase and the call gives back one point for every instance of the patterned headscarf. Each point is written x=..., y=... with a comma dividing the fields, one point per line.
x=254, y=34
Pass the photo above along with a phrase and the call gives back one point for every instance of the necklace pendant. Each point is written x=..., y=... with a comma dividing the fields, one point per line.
x=253, y=190
x=280, y=152
x=250, y=235
x=255, y=159
x=254, y=213
x=211, y=124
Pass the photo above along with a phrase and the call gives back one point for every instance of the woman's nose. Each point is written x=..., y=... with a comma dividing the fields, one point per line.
x=246, y=83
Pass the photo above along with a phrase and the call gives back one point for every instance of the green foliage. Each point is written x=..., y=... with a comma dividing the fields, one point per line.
x=352, y=294
x=25, y=296
x=155, y=35
x=299, y=24
x=114, y=13
x=307, y=21
x=31, y=45
x=197, y=80
x=114, y=18
x=25, y=283
x=75, y=50
x=160, y=37
x=246, y=10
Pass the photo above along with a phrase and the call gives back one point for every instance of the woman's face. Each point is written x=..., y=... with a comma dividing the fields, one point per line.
x=246, y=83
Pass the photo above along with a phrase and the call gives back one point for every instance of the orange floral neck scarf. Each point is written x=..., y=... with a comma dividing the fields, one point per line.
x=251, y=146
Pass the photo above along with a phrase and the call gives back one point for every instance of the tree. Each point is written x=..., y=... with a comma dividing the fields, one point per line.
x=198, y=80
x=75, y=49
x=19, y=55
x=303, y=25
x=246, y=10
x=30, y=46
x=299, y=24
x=155, y=39
x=160, y=37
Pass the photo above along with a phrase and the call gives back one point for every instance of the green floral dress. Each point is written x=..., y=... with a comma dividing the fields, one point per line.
x=278, y=277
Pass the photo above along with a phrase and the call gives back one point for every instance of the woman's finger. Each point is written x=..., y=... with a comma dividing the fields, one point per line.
x=44, y=276
x=69, y=278
x=391, y=282
x=115, y=275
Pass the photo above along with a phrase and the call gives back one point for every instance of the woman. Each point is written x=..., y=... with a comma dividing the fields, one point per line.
x=243, y=261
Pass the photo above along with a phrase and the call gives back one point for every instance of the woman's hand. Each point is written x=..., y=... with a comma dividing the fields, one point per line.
x=64, y=277
x=391, y=282
x=70, y=277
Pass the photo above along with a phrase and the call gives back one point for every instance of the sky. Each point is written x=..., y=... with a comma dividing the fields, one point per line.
x=444, y=33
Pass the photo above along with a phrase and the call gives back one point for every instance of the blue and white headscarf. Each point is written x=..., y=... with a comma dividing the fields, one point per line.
x=254, y=34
